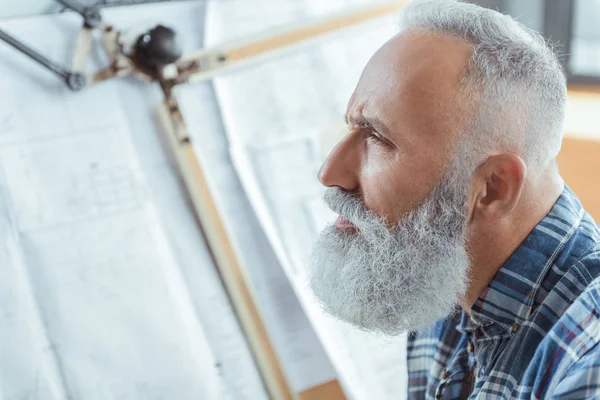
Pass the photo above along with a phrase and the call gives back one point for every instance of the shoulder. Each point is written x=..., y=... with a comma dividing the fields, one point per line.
x=574, y=335
x=577, y=336
x=582, y=318
x=578, y=328
x=582, y=379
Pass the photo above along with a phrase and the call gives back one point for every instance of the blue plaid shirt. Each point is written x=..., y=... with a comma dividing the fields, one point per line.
x=534, y=331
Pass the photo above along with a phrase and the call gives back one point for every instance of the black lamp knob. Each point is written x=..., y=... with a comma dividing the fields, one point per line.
x=157, y=47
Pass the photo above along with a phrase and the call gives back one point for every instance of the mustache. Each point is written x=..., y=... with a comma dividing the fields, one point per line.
x=350, y=206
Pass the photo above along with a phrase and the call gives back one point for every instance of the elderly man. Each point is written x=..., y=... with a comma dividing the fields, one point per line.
x=455, y=224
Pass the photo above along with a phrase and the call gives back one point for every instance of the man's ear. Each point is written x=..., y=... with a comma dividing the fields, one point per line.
x=498, y=186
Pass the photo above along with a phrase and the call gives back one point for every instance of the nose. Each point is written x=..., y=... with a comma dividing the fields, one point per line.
x=342, y=165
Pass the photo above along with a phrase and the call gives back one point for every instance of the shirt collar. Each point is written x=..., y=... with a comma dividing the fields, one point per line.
x=509, y=297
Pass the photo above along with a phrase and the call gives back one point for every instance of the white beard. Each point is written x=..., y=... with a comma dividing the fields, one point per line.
x=393, y=280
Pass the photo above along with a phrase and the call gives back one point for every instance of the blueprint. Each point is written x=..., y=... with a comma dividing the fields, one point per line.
x=107, y=290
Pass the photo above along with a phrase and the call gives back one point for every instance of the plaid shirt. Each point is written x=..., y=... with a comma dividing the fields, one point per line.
x=534, y=331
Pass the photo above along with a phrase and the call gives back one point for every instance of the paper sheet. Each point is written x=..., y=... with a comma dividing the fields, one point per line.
x=275, y=114
x=107, y=290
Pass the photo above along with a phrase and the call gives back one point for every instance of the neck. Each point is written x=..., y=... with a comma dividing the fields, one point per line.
x=491, y=247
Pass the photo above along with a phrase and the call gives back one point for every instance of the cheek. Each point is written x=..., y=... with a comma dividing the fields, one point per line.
x=393, y=185
x=386, y=186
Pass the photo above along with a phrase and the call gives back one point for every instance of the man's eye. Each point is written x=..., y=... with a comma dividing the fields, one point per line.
x=373, y=135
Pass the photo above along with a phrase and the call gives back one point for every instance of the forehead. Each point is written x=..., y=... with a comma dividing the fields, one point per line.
x=412, y=80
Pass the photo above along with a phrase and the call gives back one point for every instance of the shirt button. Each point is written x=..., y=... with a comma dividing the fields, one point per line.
x=515, y=328
x=470, y=347
x=444, y=374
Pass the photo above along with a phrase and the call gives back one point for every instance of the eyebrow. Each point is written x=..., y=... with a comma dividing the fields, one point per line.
x=374, y=123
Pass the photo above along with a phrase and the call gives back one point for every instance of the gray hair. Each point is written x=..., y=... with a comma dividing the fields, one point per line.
x=513, y=77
